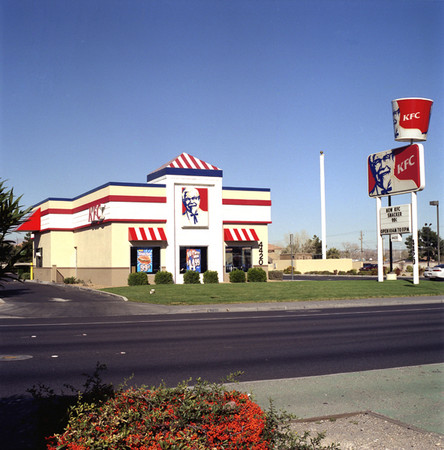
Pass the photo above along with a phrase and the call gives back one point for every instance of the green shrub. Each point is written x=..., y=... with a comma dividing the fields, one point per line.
x=287, y=271
x=210, y=277
x=275, y=275
x=409, y=269
x=72, y=280
x=191, y=277
x=163, y=277
x=202, y=416
x=352, y=272
x=137, y=279
x=342, y=272
x=256, y=275
x=237, y=276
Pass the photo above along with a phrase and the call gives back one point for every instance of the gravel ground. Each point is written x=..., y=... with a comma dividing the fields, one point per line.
x=365, y=431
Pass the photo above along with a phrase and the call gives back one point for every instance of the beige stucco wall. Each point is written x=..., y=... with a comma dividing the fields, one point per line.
x=94, y=246
x=245, y=194
x=308, y=265
x=96, y=276
x=58, y=248
x=121, y=246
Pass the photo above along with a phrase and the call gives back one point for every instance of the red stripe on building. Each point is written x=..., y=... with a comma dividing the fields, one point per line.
x=162, y=234
x=245, y=222
x=255, y=236
x=240, y=234
x=186, y=161
x=146, y=234
x=132, y=234
x=106, y=199
x=186, y=158
x=195, y=163
x=234, y=201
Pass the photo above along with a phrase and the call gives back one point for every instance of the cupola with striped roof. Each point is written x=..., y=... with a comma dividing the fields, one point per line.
x=185, y=164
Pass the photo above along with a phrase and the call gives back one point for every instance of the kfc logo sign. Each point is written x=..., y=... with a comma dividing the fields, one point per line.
x=96, y=213
x=396, y=171
x=407, y=166
x=411, y=118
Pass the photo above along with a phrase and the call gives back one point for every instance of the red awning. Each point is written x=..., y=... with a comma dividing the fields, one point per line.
x=146, y=234
x=240, y=234
x=32, y=222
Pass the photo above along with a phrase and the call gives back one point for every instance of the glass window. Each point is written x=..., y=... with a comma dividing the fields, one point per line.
x=238, y=258
x=193, y=258
x=39, y=257
x=145, y=259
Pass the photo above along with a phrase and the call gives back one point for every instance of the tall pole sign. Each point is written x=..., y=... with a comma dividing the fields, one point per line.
x=400, y=171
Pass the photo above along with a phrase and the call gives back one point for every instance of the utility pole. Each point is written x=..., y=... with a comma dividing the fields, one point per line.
x=292, y=256
x=362, y=251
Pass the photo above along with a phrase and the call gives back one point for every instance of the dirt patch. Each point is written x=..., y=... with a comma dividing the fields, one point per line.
x=369, y=431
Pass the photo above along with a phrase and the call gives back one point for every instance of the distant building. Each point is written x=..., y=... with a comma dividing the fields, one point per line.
x=181, y=219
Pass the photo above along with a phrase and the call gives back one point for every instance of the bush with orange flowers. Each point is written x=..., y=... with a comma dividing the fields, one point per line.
x=204, y=416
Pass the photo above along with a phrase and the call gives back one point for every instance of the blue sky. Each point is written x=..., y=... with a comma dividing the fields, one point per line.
x=106, y=90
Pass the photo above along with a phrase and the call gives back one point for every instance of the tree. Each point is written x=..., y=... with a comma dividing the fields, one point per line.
x=351, y=250
x=427, y=244
x=315, y=246
x=303, y=244
x=333, y=253
x=11, y=215
x=25, y=249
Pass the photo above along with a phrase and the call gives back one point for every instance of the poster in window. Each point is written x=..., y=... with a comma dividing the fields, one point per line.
x=194, y=207
x=193, y=260
x=145, y=260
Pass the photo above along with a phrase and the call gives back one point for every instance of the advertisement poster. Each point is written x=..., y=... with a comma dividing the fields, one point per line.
x=145, y=260
x=194, y=207
x=193, y=260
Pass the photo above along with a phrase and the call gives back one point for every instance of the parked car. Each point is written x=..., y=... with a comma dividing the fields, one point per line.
x=435, y=272
x=367, y=267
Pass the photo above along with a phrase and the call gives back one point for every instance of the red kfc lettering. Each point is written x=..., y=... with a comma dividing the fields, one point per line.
x=94, y=213
x=412, y=116
x=407, y=162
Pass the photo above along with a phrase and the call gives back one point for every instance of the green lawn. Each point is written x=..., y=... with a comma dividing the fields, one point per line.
x=189, y=294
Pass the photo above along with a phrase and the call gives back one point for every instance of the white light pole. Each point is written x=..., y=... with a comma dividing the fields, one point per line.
x=323, y=226
x=415, y=238
x=379, y=241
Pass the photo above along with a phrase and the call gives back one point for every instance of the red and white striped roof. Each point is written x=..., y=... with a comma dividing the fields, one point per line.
x=186, y=161
x=240, y=234
x=146, y=234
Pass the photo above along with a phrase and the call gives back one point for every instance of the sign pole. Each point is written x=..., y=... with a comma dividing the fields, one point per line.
x=415, y=238
x=323, y=225
x=379, y=240
x=390, y=240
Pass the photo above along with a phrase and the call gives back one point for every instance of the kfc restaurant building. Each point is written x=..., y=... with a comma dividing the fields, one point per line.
x=181, y=219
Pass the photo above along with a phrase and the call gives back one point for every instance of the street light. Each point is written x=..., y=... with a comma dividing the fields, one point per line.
x=427, y=227
x=436, y=203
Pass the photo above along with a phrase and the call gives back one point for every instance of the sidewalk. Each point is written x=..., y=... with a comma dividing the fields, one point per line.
x=411, y=395
x=291, y=306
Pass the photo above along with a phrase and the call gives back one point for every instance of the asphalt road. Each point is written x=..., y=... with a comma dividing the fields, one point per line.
x=264, y=345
